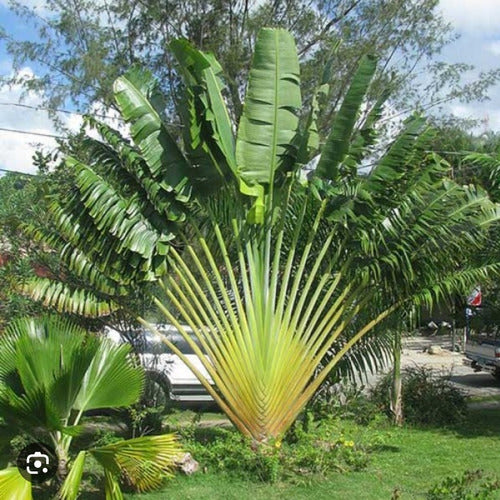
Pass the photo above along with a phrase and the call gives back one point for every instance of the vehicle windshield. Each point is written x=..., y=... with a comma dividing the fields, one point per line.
x=153, y=345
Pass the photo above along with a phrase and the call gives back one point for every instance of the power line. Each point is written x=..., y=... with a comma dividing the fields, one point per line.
x=17, y=172
x=26, y=132
x=66, y=111
x=56, y=110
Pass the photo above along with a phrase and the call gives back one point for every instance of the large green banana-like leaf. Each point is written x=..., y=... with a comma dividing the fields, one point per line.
x=212, y=126
x=13, y=486
x=366, y=136
x=268, y=125
x=337, y=145
x=139, y=100
x=310, y=139
x=145, y=461
x=309, y=143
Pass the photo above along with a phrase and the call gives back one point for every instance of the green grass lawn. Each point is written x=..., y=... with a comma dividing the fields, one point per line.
x=411, y=460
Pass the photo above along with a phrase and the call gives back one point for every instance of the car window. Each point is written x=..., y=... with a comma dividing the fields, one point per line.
x=154, y=346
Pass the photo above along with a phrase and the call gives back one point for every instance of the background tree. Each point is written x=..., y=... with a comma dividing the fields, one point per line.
x=24, y=207
x=21, y=200
x=84, y=45
x=472, y=159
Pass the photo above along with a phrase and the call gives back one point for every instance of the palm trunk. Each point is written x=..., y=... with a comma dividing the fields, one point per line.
x=62, y=452
x=396, y=389
x=62, y=468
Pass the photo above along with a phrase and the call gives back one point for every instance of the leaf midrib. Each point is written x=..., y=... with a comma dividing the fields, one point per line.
x=276, y=95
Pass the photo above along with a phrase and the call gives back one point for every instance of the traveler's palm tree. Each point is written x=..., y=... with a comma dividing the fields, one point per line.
x=277, y=252
x=51, y=372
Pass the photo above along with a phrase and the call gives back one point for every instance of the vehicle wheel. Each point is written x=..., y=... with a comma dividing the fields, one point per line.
x=156, y=392
x=496, y=374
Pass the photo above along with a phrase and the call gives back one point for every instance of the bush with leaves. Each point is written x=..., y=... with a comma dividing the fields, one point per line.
x=471, y=485
x=344, y=400
x=301, y=456
x=142, y=420
x=428, y=398
x=229, y=452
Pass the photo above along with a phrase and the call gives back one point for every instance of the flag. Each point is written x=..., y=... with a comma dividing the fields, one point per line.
x=474, y=299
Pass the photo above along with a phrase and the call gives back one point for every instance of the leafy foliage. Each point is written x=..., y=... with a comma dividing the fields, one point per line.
x=102, y=40
x=144, y=461
x=13, y=486
x=51, y=372
x=311, y=454
x=19, y=199
x=277, y=275
x=428, y=398
x=345, y=401
x=470, y=485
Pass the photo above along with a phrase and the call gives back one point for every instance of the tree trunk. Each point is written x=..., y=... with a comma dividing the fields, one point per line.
x=396, y=389
x=62, y=463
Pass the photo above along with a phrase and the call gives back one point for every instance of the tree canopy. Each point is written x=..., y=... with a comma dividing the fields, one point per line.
x=82, y=46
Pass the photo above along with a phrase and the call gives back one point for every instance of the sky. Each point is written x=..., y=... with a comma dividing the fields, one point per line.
x=477, y=22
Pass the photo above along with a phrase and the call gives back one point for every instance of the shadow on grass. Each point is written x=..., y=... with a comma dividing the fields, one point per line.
x=481, y=422
x=384, y=448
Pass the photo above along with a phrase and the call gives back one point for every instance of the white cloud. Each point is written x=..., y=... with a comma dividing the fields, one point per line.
x=480, y=17
x=494, y=48
x=16, y=150
x=489, y=116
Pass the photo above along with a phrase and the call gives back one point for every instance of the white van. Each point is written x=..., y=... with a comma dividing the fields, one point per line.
x=169, y=381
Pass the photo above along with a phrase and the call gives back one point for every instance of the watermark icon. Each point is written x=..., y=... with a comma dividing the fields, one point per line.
x=37, y=463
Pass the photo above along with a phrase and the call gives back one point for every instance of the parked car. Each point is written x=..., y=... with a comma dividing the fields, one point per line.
x=482, y=353
x=169, y=381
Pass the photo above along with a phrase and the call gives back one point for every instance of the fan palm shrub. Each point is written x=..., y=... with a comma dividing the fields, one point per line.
x=273, y=247
x=51, y=372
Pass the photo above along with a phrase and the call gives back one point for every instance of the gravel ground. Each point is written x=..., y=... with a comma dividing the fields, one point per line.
x=478, y=384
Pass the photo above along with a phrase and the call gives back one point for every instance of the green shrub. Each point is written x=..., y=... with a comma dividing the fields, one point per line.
x=471, y=485
x=428, y=398
x=232, y=453
x=143, y=420
x=301, y=456
x=345, y=401
x=103, y=437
